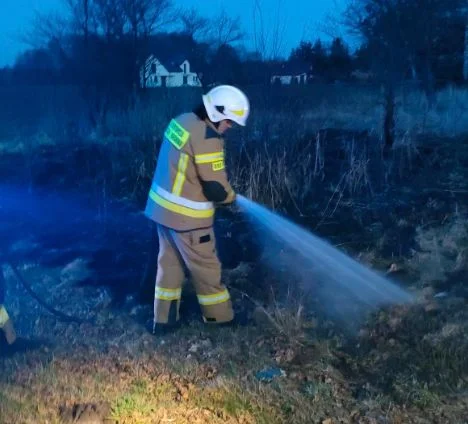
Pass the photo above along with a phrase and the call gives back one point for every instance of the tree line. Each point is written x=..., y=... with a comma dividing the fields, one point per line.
x=105, y=42
x=101, y=45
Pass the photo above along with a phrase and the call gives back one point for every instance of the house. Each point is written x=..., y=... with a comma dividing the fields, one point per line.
x=154, y=74
x=290, y=79
x=289, y=74
x=359, y=75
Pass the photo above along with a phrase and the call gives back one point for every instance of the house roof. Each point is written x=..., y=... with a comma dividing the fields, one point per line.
x=172, y=65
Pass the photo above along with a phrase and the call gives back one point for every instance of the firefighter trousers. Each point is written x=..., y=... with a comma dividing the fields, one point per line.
x=6, y=326
x=196, y=251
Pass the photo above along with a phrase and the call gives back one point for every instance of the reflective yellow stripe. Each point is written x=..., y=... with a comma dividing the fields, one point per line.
x=239, y=112
x=183, y=210
x=209, y=157
x=214, y=299
x=176, y=134
x=3, y=316
x=180, y=177
x=167, y=294
x=182, y=201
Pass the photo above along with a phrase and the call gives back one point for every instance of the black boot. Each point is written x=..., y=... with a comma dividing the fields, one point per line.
x=241, y=319
x=20, y=346
x=157, y=329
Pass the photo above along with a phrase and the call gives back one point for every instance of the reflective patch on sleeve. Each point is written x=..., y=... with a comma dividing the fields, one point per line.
x=176, y=134
x=218, y=166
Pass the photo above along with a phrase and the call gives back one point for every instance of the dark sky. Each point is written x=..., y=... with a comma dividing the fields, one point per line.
x=300, y=17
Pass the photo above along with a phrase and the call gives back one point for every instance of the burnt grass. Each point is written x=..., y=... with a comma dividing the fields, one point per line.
x=403, y=364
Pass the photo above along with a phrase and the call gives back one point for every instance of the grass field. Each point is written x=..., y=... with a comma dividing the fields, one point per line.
x=312, y=153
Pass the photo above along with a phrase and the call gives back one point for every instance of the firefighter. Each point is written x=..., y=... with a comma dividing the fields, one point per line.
x=189, y=182
x=6, y=325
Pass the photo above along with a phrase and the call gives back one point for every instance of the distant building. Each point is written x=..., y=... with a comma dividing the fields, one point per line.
x=364, y=76
x=154, y=74
x=290, y=74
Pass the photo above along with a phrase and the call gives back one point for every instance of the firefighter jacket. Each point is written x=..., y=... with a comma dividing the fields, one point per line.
x=190, y=177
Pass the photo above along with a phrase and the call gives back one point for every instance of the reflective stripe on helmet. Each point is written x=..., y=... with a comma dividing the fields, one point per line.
x=240, y=112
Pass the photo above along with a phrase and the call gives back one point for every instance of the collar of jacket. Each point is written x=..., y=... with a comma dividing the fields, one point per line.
x=212, y=126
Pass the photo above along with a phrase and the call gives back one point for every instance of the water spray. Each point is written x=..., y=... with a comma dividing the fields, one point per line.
x=345, y=284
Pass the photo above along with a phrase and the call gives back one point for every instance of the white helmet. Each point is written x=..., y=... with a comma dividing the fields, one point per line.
x=227, y=102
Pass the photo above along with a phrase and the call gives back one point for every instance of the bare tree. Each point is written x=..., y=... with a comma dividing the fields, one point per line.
x=46, y=28
x=332, y=24
x=465, y=55
x=401, y=36
x=259, y=29
x=102, y=43
x=405, y=33
x=269, y=39
x=378, y=24
x=464, y=12
x=224, y=30
x=144, y=17
x=113, y=18
x=194, y=24
x=80, y=12
x=109, y=18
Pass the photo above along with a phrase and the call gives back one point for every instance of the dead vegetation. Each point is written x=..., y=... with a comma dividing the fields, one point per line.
x=406, y=365
x=405, y=215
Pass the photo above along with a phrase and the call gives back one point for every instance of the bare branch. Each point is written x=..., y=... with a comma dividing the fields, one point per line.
x=333, y=23
x=278, y=34
x=225, y=30
x=109, y=17
x=259, y=31
x=46, y=27
x=159, y=14
x=80, y=12
x=269, y=43
x=194, y=24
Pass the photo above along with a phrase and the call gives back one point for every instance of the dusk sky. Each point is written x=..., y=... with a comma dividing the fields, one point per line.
x=302, y=18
